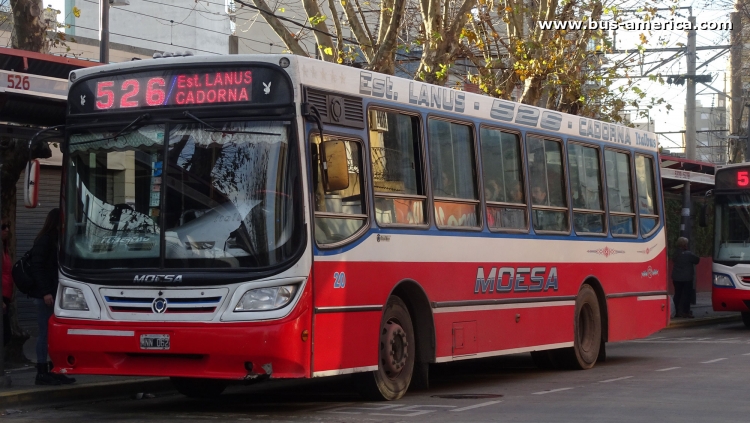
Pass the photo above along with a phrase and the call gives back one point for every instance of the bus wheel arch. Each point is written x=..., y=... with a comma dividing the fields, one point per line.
x=602, y=297
x=408, y=306
x=420, y=309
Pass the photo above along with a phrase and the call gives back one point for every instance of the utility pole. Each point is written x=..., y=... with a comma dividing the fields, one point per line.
x=735, y=146
x=104, y=32
x=690, y=134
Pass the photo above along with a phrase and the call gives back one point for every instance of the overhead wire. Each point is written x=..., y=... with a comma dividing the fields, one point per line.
x=180, y=23
x=144, y=39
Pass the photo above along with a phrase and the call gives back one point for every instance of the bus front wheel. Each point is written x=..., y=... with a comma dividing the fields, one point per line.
x=396, y=353
x=199, y=388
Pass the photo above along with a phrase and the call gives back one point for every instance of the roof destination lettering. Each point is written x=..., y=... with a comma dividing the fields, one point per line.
x=439, y=98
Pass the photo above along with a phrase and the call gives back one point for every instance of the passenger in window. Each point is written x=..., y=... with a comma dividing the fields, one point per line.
x=539, y=195
x=492, y=191
x=514, y=193
x=445, y=187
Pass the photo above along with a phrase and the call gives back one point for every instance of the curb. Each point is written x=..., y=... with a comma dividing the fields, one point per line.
x=88, y=391
x=686, y=323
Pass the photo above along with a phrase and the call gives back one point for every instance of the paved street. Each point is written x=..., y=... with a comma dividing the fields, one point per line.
x=691, y=374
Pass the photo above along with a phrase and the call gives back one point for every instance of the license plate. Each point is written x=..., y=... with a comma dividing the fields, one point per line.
x=154, y=342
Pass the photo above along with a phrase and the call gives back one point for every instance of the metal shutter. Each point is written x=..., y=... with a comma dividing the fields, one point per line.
x=28, y=223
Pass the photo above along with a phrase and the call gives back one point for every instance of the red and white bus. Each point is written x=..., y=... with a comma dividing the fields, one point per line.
x=730, y=290
x=211, y=235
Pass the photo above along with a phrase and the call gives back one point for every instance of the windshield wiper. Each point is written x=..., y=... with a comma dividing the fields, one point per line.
x=214, y=129
x=135, y=121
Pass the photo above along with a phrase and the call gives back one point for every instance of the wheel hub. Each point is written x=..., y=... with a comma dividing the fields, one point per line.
x=393, y=349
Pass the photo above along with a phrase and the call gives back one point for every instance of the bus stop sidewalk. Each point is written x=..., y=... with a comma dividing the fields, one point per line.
x=23, y=391
x=704, y=313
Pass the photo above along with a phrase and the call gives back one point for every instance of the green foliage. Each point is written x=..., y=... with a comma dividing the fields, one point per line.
x=702, y=238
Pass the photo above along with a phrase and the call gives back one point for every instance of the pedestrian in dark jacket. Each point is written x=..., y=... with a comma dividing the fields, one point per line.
x=683, y=273
x=7, y=277
x=44, y=272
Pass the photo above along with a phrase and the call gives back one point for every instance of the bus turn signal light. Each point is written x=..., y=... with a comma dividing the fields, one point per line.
x=305, y=334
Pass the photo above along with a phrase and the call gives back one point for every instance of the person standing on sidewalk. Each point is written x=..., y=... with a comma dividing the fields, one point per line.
x=44, y=272
x=7, y=278
x=683, y=273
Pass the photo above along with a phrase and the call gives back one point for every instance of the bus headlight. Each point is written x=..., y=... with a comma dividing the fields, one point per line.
x=263, y=299
x=722, y=280
x=73, y=299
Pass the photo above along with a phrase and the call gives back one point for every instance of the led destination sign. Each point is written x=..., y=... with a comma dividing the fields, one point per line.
x=733, y=178
x=179, y=87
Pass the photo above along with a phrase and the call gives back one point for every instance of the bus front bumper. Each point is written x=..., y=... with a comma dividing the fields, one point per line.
x=730, y=299
x=219, y=350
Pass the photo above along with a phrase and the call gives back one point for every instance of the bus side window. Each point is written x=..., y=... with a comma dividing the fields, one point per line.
x=647, y=209
x=453, y=172
x=341, y=214
x=502, y=173
x=397, y=177
x=619, y=193
x=548, y=193
x=586, y=189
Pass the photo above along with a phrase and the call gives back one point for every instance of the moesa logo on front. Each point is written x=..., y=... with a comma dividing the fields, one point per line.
x=521, y=279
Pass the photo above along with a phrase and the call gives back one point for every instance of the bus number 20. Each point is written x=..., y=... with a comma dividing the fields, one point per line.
x=339, y=280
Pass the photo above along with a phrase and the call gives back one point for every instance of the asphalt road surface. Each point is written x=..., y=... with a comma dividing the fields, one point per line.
x=678, y=375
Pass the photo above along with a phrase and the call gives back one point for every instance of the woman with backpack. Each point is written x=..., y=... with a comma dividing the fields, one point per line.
x=44, y=271
x=7, y=278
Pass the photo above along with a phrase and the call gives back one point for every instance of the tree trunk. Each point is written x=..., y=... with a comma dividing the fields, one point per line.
x=325, y=42
x=385, y=60
x=29, y=29
x=440, y=49
x=364, y=40
x=532, y=91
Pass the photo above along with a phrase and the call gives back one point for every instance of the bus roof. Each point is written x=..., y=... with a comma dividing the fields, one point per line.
x=395, y=90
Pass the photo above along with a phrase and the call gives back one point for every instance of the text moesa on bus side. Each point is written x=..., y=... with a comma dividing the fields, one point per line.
x=516, y=279
x=505, y=111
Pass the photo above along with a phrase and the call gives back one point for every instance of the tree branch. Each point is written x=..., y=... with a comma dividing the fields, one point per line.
x=290, y=41
x=365, y=42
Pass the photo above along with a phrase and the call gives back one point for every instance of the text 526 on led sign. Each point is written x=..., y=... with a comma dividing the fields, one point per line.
x=180, y=89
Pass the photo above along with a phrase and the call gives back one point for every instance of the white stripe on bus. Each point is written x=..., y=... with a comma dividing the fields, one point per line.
x=99, y=332
x=345, y=371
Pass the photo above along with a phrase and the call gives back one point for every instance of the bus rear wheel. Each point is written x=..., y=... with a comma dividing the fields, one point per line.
x=199, y=388
x=396, y=353
x=746, y=318
x=588, y=330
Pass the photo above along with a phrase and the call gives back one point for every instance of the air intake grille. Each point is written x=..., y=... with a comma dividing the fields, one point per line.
x=163, y=304
x=336, y=109
x=320, y=101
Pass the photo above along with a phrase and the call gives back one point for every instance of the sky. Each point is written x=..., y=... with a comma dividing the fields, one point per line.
x=674, y=95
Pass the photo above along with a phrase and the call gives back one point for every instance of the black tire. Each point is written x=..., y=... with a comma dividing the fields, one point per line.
x=199, y=388
x=587, y=331
x=396, y=344
x=746, y=318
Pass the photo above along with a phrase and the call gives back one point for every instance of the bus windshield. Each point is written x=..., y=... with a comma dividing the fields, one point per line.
x=732, y=228
x=181, y=196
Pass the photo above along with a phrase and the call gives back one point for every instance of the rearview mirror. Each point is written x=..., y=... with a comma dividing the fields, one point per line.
x=31, y=185
x=702, y=218
x=335, y=167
